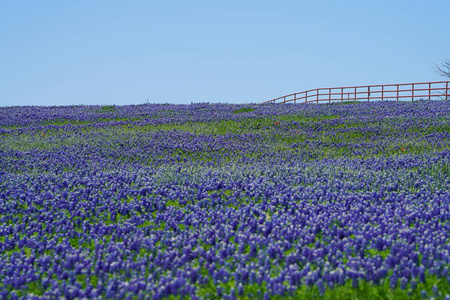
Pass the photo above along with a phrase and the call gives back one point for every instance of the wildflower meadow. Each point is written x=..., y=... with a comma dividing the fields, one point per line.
x=222, y=201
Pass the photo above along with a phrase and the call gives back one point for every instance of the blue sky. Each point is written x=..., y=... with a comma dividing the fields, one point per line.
x=65, y=52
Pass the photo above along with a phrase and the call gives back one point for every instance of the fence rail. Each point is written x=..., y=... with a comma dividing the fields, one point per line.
x=407, y=91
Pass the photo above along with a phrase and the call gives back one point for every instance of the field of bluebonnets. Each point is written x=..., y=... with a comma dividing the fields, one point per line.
x=219, y=201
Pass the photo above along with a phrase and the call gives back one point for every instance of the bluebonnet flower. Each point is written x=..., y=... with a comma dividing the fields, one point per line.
x=103, y=201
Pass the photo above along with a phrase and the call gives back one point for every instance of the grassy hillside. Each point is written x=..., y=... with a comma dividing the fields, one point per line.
x=220, y=201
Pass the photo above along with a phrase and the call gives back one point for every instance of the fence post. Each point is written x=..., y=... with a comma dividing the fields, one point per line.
x=446, y=91
x=317, y=96
x=382, y=92
x=355, y=93
x=429, y=91
x=397, y=91
x=368, y=93
x=412, y=93
x=342, y=95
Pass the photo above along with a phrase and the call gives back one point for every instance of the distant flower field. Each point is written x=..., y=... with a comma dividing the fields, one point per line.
x=216, y=201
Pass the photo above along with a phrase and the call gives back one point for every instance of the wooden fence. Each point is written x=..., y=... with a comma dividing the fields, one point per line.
x=402, y=91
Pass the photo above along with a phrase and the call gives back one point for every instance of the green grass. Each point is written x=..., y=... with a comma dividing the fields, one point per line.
x=107, y=109
x=278, y=133
x=243, y=110
x=365, y=290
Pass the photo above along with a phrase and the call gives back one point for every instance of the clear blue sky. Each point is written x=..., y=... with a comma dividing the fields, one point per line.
x=65, y=52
